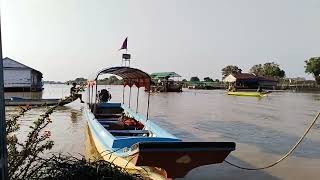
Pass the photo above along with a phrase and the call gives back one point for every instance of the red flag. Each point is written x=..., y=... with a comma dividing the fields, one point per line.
x=124, y=44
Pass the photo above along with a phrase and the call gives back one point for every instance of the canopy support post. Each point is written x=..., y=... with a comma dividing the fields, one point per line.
x=91, y=101
x=95, y=99
x=123, y=94
x=88, y=93
x=130, y=97
x=137, y=100
x=148, y=106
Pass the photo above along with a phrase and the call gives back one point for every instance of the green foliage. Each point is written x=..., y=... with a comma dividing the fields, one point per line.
x=207, y=79
x=78, y=81
x=112, y=80
x=273, y=70
x=26, y=159
x=61, y=167
x=269, y=69
x=257, y=70
x=184, y=80
x=230, y=69
x=313, y=67
x=194, y=79
x=216, y=80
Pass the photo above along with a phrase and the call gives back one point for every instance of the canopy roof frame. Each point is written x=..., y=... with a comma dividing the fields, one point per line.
x=130, y=76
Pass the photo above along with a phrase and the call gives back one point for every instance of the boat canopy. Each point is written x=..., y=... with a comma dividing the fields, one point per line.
x=130, y=76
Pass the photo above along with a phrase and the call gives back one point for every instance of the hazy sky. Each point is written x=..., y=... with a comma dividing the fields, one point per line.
x=66, y=39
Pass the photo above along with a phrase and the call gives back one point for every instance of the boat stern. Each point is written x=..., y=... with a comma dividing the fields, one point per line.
x=178, y=158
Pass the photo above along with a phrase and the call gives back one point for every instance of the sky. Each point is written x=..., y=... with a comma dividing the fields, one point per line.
x=66, y=39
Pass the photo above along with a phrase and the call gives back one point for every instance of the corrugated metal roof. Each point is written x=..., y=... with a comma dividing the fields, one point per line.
x=252, y=77
x=244, y=76
x=164, y=75
x=9, y=63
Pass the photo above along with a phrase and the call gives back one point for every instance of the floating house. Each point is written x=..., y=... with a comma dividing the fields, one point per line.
x=250, y=81
x=166, y=82
x=20, y=78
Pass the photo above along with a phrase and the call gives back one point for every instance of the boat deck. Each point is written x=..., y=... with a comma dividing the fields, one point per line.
x=114, y=121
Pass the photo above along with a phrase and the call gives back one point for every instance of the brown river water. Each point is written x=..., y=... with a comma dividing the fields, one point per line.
x=264, y=129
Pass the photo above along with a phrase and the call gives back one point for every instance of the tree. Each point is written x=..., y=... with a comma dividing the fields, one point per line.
x=230, y=69
x=257, y=70
x=273, y=70
x=216, y=80
x=113, y=80
x=194, y=79
x=313, y=67
x=208, y=79
x=184, y=80
x=269, y=69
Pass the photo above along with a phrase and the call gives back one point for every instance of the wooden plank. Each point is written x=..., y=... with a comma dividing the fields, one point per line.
x=106, y=125
x=105, y=115
x=108, y=122
x=129, y=131
x=108, y=119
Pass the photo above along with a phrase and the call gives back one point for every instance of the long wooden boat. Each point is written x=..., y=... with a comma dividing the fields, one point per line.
x=253, y=94
x=15, y=101
x=134, y=142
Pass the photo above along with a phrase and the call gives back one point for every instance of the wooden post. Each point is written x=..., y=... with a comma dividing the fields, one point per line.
x=123, y=94
x=3, y=137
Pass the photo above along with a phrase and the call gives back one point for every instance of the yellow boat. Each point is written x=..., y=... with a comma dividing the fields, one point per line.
x=247, y=93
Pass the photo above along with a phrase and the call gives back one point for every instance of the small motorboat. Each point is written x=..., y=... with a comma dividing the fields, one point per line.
x=248, y=93
x=136, y=143
x=17, y=101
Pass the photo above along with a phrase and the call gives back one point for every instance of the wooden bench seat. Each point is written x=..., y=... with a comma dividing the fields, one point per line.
x=124, y=132
x=105, y=125
x=106, y=115
x=109, y=122
x=108, y=119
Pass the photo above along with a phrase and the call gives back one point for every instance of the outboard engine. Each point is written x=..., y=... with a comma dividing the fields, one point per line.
x=104, y=95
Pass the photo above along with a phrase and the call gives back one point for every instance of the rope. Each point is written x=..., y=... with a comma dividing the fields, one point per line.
x=283, y=157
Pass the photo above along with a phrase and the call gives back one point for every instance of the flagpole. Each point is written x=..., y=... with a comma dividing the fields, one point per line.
x=127, y=51
x=125, y=56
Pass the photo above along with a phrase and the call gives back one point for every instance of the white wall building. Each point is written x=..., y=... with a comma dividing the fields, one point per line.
x=20, y=78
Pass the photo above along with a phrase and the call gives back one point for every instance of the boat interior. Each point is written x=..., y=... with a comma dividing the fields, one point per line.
x=113, y=118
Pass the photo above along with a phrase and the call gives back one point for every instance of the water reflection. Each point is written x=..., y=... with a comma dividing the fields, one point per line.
x=268, y=139
x=75, y=115
x=226, y=172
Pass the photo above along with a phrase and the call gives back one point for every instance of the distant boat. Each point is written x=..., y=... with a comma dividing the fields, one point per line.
x=134, y=142
x=166, y=86
x=16, y=101
x=248, y=93
x=165, y=82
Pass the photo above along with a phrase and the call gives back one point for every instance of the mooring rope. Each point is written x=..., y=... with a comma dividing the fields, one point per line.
x=283, y=157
